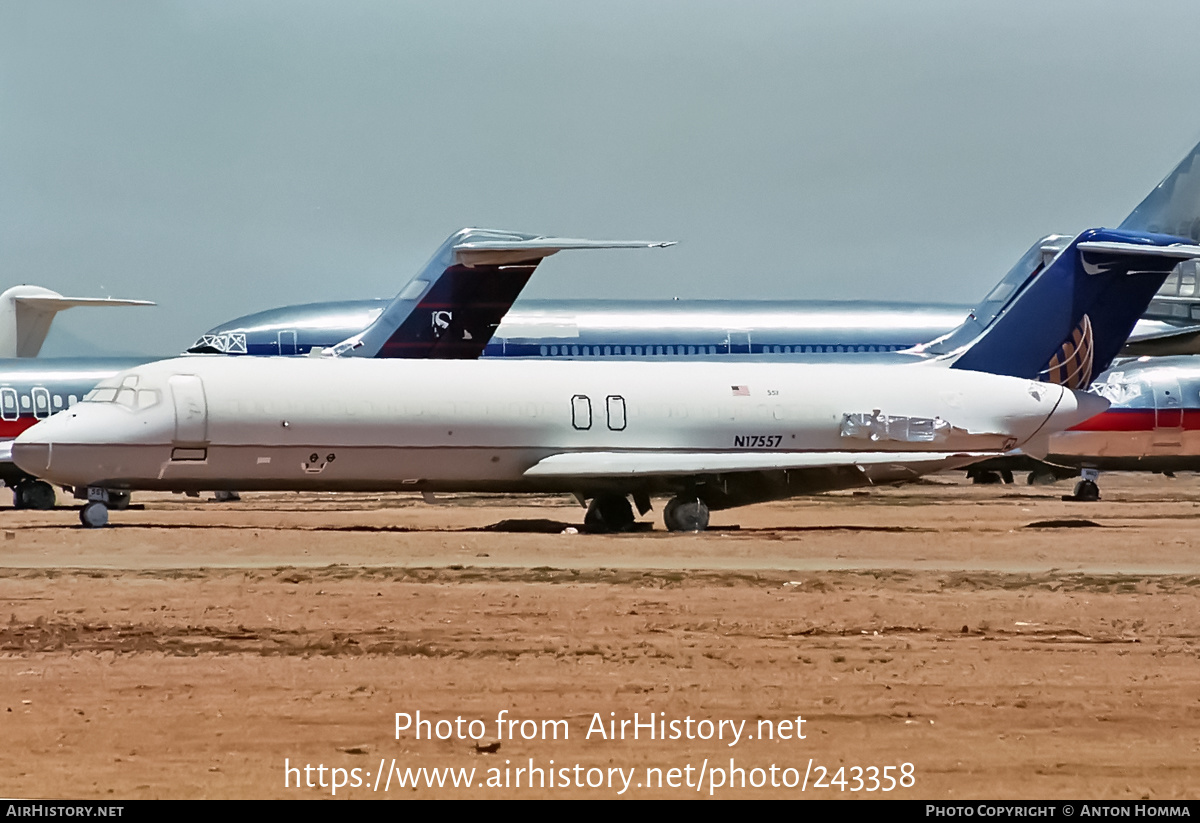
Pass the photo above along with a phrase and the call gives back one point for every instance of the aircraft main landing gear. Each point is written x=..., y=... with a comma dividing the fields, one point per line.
x=981, y=477
x=686, y=513
x=34, y=494
x=609, y=513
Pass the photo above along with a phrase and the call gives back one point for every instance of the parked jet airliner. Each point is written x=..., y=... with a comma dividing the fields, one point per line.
x=692, y=329
x=714, y=436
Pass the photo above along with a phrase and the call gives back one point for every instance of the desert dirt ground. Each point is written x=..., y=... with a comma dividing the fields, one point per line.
x=1005, y=643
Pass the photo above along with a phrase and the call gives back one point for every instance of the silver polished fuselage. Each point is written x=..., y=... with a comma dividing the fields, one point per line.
x=203, y=423
x=649, y=329
x=1153, y=423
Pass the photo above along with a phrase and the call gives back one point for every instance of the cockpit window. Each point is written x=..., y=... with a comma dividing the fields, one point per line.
x=100, y=395
x=124, y=392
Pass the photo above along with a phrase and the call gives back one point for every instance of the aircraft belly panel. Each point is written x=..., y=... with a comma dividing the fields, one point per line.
x=335, y=468
x=342, y=468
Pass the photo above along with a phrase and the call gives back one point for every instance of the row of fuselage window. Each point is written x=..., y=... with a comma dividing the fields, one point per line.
x=674, y=351
x=40, y=401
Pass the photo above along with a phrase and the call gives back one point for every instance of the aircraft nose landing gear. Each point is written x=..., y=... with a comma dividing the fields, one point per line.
x=1087, y=490
x=94, y=514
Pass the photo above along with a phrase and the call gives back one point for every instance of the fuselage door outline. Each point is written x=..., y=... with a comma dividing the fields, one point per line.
x=616, y=412
x=10, y=408
x=581, y=412
x=191, y=408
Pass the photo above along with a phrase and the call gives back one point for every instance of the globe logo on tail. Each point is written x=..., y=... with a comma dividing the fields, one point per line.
x=1071, y=366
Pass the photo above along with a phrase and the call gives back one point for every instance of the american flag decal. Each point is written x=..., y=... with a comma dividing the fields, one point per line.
x=741, y=391
x=1071, y=366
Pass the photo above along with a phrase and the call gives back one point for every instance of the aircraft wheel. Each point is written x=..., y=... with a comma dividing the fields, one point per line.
x=1087, y=490
x=1039, y=477
x=19, y=497
x=609, y=512
x=94, y=515
x=37, y=495
x=118, y=500
x=669, y=511
x=686, y=514
x=226, y=497
x=985, y=478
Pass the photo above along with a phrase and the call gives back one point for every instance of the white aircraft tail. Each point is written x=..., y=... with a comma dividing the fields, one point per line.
x=26, y=313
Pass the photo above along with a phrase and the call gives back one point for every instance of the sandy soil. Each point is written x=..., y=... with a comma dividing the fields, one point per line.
x=1003, y=642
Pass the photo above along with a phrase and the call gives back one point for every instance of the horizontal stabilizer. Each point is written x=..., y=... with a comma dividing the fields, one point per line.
x=506, y=252
x=1178, y=251
x=26, y=313
x=58, y=303
x=1162, y=339
x=634, y=464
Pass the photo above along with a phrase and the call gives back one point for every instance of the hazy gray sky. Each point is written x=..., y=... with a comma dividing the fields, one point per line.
x=225, y=157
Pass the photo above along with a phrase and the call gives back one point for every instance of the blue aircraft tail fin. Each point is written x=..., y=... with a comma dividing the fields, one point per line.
x=452, y=307
x=1063, y=320
x=1173, y=207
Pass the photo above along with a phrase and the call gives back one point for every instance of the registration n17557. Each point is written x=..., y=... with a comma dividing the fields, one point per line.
x=757, y=441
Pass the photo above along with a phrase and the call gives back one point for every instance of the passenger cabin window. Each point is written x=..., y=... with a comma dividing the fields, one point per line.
x=41, y=402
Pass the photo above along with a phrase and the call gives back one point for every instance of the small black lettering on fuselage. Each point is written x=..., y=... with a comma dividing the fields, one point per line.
x=757, y=441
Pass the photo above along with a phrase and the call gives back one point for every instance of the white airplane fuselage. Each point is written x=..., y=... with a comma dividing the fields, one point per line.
x=210, y=422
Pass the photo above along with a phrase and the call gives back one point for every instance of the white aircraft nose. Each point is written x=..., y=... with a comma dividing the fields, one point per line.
x=31, y=452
